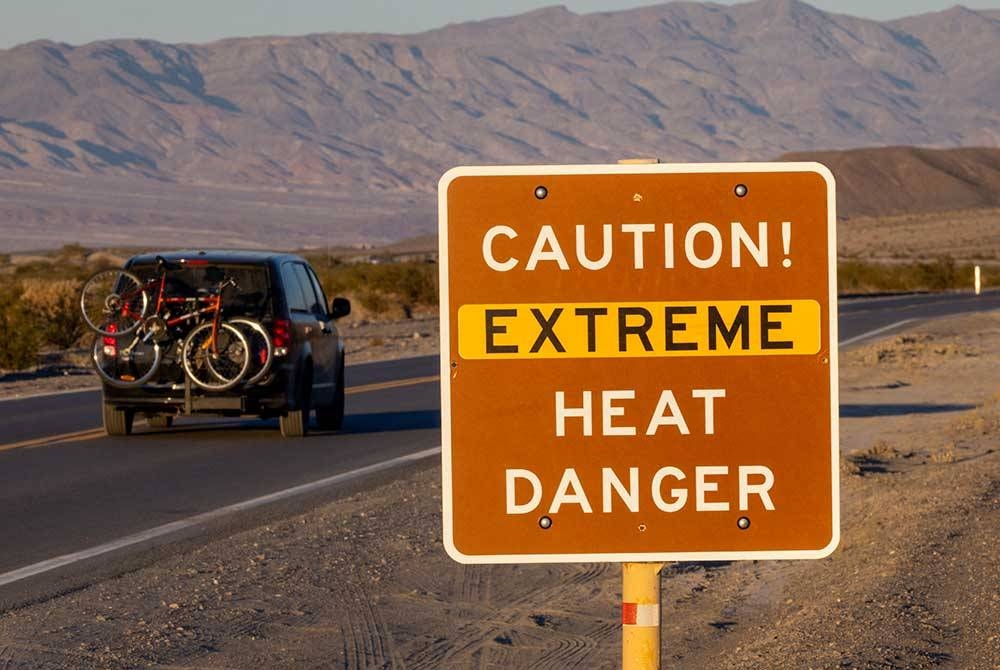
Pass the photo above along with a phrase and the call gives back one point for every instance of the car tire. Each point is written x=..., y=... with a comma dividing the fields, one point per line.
x=117, y=422
x=331, y=417
x=160, y=421
x=295, y=422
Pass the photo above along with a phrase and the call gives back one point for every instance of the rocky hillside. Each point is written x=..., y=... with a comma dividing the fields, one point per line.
x=908, y=180
x=687, y=81
x=371, y=121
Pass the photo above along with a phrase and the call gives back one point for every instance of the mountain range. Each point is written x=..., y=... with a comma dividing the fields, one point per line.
x=340, y=138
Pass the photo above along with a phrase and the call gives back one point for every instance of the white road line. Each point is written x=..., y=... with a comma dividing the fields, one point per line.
x=50, y=393
x=870, y=333
x=173, y=527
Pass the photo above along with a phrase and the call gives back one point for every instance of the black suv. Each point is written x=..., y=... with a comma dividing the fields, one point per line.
x=281, y=292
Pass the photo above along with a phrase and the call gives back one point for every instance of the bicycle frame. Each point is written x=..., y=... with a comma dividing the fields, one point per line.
x=213, y=305
x=157, y=283
x=201, y=345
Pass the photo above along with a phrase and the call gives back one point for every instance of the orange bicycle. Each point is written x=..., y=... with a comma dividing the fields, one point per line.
x=129, y=349
x=215, y=354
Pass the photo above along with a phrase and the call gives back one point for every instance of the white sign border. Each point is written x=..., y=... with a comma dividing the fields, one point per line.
x=447, y=507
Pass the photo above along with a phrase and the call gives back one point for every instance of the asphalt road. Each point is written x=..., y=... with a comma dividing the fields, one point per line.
x=62, y=497
x=863, y=319
x=86, y=490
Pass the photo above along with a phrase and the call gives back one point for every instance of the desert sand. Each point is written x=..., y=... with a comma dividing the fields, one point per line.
x=363, y=582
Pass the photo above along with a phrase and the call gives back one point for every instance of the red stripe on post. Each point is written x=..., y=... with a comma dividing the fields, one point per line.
x=629, y=613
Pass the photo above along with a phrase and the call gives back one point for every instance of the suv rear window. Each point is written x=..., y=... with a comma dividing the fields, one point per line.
x=251, y=296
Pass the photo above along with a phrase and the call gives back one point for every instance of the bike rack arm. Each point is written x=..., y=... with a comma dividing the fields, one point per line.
x=188, y=405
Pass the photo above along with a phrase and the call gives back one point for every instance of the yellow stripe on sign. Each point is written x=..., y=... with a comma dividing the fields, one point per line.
x=636, y=330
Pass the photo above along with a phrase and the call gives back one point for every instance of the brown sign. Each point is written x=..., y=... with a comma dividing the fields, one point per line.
x=639, y=362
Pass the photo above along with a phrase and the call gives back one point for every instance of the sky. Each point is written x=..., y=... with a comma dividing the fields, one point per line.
x=81, y=21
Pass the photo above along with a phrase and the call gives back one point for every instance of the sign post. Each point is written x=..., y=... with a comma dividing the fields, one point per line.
x=641, y=585
x=639, y=365
x=641, y=616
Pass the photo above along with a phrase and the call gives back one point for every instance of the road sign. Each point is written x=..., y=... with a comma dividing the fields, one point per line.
x=639, y=362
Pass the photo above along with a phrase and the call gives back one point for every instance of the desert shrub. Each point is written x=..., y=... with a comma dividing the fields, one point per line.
x=945, y=454
x=103, y=260
x=942, y=274
x=72, y=252
x=379, y=286
x=374, y=302
x=55, y=307
x=71, y=261
x=19, y=339
x=49, y=269
x=939, y=275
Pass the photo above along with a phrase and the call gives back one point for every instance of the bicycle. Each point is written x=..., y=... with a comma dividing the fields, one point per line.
x=115, y=302
x=215, y=354
x=261, y=348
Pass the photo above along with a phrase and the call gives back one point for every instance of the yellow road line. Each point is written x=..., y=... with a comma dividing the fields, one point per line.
x=391, y=385
x=77, y=436
x=92, y=433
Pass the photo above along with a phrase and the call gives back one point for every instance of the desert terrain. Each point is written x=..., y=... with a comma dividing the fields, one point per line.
x=970, y=236
x=334, y=143
x=340, y=139
x=363, y=582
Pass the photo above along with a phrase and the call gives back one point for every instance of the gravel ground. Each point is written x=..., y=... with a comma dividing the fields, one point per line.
x=364, y=582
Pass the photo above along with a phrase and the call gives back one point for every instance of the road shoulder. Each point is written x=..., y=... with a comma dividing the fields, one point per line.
x=364, y=581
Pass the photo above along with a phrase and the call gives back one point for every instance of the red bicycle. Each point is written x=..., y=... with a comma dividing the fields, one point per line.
x=116, y=302
x=129, y=349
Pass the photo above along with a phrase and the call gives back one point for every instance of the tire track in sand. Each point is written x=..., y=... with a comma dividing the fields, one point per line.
x=482, y=629
x=367, y=641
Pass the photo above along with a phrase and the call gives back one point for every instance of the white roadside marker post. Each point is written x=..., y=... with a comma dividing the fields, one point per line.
x=978, y=281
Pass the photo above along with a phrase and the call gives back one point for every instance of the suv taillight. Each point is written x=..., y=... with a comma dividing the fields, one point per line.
x=110, y=343
x=281, y=330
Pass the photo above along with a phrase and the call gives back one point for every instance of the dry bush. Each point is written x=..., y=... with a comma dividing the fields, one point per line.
x=381, y=287
x=880, y=451
x=945, y=454
x=56, y=308
x=849, y=466
x=101, y=260
x=942, y=274
x=984, y=420
x=883, y=451
x=19, y=339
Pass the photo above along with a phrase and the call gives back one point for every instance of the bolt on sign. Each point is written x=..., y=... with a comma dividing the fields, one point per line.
x=639, y=362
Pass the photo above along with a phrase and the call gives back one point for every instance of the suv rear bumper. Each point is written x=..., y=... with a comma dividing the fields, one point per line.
x=265, y=400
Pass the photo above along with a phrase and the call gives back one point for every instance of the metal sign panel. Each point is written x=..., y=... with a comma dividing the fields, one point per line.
x=639, y=362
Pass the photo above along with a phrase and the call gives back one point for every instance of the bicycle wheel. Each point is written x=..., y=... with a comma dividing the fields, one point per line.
x=261, y=348
x=113, y=302
x=216, y=360
x=124, y=363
